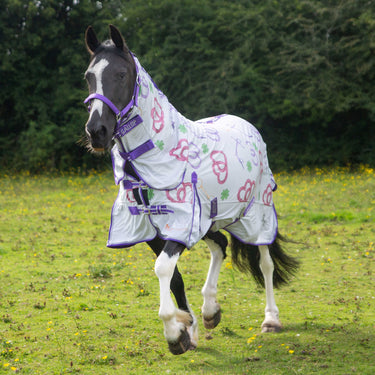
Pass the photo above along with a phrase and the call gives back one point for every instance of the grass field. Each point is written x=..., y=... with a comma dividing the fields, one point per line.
x=68, y=304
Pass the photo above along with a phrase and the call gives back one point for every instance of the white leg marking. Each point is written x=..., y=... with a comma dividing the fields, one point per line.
x=211, y=308
x=97, y=68
x=271, y=322
x=173, y=325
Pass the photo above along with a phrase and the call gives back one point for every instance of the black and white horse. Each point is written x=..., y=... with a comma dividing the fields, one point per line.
x=181, y=181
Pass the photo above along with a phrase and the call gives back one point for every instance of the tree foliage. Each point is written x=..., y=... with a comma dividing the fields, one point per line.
x=43, y=58
x=302, y=70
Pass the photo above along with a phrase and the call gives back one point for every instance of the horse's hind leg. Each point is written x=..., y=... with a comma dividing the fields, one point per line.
x=271, y=322
x=176, y=322
x=211, y=310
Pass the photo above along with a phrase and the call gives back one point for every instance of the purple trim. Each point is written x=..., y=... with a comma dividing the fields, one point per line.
x=213, y=119
x=128, y=125
x=103, y=99
x=274, y=188
x=247, y=209
x=134, y=185
x=213, y=211
x=194, y=180
x=151, y=210
x=138, y=151
x=166, y=238
x=134, y=210
x=128, y=244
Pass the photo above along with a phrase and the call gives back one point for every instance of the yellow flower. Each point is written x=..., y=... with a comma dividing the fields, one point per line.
x=291, y=351
x=229, y=266
x=105, y=357
x=251, y=339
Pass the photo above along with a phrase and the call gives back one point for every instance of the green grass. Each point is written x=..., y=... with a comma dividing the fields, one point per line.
x=68, y=304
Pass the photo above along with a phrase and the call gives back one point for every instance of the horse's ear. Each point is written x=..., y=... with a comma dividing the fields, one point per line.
x=91, y=40
x=117, y=38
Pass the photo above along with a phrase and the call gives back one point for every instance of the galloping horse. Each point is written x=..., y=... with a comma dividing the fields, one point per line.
x=182, y=181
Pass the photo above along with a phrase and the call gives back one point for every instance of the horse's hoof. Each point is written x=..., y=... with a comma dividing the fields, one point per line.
x=271, y=327
x=211, y=323
x=193, y=345
x=182, y=345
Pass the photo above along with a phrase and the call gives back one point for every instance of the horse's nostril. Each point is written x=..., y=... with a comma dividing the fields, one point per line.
x=97, y=136
x=98, y=132
x=102, y=131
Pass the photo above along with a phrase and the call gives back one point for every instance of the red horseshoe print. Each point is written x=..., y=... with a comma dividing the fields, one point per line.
x=267, y=195
x=219, y=166
x=181, y=152
x=157, y=115
x=130, y=196
x=179, y=195
x=245, y=191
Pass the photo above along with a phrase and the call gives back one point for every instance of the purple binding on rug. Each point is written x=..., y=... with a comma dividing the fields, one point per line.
x=213, y=211
x=138, y=151
x=151, y=210
x=129, y=125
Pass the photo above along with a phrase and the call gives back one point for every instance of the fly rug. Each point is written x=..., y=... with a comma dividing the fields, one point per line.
x=181, y=181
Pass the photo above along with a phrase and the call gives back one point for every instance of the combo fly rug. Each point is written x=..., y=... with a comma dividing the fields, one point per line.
x=181, y=181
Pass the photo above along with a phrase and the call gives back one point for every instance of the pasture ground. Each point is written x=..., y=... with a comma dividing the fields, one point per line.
x=68, y=304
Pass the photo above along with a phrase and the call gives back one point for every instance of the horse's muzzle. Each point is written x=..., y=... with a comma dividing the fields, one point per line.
x=98, y=137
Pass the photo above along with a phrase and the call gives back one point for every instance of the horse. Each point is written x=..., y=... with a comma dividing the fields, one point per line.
x=181, y=181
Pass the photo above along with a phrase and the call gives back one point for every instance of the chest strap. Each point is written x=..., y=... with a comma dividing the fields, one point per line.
x=138, y=151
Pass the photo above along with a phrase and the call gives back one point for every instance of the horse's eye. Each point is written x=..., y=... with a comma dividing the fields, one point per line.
x=121, y=75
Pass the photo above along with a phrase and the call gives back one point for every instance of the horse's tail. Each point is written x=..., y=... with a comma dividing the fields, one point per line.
x=246, y=258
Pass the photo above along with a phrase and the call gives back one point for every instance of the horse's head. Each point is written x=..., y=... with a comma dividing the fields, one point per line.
x=111, y=78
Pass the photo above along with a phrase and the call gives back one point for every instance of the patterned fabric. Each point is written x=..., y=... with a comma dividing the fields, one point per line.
x=195, y=176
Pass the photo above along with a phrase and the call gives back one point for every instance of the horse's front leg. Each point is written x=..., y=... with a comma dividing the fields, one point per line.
x=211, y=310
x=176, y=322
x=271, y=322
x=178, y=290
